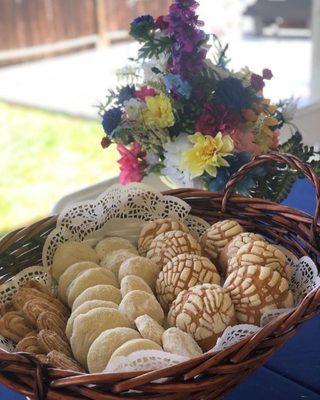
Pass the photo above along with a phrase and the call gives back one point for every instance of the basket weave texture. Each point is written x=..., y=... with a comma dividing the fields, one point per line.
x=211, y=375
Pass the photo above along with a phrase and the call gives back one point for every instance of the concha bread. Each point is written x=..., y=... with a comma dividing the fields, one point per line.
x=204, y=311
x=170, y=244
x=155, y=228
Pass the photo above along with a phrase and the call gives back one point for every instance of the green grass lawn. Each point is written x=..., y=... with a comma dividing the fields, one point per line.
x=43, y=157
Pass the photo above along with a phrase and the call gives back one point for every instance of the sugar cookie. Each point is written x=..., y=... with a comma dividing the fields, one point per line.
x=83, y=309
x=69, y=253
x=89, y=278
x=87, y=327
x=70, y=275
x=149, y=328
x=98, y=292
x=105, y=345
x=137, y=303
x=113, y=260
x=176, y=341
x=147, y=269
x=133, y=282
x=132, y=346
x=107, y=245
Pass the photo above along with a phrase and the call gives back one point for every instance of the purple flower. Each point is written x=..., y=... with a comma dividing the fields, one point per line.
x=257, y=82
x=267, y=74
x=111, y=120
x=143, y=19
x=126, y=93
x=188, y=53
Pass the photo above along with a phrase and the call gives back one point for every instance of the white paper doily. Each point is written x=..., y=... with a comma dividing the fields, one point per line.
x=144, y=360
x=135, y=203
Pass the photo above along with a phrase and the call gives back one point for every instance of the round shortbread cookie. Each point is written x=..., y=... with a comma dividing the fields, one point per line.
x=105, y=345
x=98, y=292
x=149, y=328
x=89, y=278
x=84, y=308
x=134, y=345
x=137, y=303
x=107, y=245
x=69, y=253
x=133, y=282
x=147, y=269
x=175, y=341
x=87, y=327
x=113, y=260
x=70, y=274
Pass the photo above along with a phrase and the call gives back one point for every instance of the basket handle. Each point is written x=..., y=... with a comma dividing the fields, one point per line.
x=282, y=158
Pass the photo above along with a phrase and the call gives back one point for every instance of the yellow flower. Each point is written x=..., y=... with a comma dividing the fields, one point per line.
x=207, y=154
x=158, y=112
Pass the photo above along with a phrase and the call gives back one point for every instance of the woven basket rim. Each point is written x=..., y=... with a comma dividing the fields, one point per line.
x=25, y=374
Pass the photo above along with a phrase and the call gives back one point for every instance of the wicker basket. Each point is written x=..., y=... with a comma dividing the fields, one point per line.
x=211, y=375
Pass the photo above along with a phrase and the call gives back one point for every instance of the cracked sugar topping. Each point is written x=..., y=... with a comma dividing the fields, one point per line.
x=168, y=245
x=155, y=228
x=218, y=236
x=183, y=272
x=259, y=253
x=256, y=289
x=204, y=311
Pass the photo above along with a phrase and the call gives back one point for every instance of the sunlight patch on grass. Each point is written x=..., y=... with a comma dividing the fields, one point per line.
x=43, y=157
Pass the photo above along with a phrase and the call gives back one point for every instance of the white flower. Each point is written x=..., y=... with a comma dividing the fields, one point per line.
x=133, y=108
x=221, y=72
x=289, y=109
x=128, y=73
x=172, y=169
x=155, y=63
x=245, y=76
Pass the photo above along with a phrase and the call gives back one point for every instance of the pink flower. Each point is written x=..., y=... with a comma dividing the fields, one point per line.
x=275, y=138
x=132, y=163
x=244, y=142
x=144, y=92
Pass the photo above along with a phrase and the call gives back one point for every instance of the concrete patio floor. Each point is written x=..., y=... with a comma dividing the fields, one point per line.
x=73, y=84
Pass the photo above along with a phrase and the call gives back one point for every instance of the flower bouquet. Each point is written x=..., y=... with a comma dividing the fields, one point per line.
x=181, y=112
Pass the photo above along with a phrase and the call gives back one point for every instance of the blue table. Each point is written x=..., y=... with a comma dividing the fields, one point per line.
x=293, y=373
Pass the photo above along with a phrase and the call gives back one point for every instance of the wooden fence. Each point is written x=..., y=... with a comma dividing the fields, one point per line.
x=33, y=28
